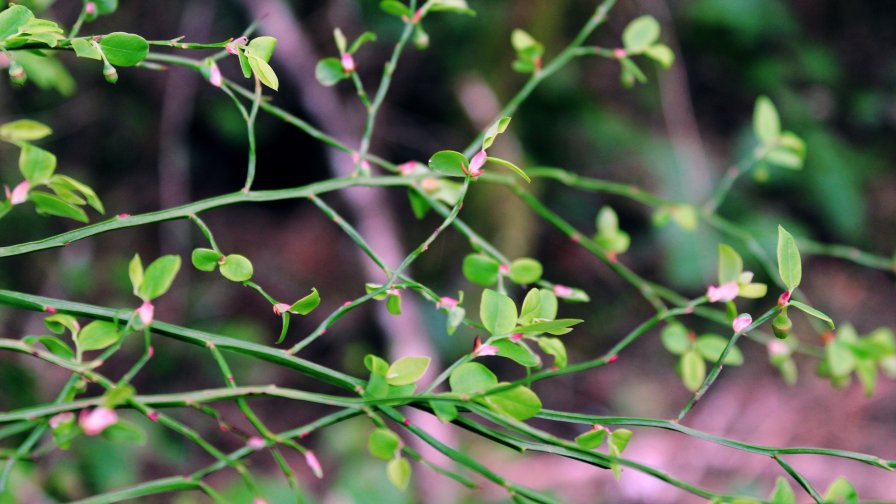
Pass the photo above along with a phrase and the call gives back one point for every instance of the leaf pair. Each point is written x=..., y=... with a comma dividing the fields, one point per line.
x=156, y=279
x=474, y=379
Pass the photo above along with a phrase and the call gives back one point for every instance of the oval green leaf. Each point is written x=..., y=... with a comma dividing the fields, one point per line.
x=237, y=268
x=124, y=49
x=525, y=271
x=383, y=444
x=407, y=370
x=98, y=335
x=472, y=378
x=497, y=312
x=449, y=163
x=158, y=277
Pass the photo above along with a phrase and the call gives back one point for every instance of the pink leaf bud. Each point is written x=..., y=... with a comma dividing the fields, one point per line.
x=214, y=75
x=255, y=443
x=784, y=298
x=725, y=292
x=259, y=500
x=562, y=291
x=146, y=312
x=314, y=464
x=97, y=420
x=348, y=63
x=742, y=322
x=477, y=162
x=153, y=415
x=232, y=47
x=777, y=347
x=20, y=193
x=480, y=350
x=446, y=302
x=504, y=269
x=90, y=8
x=619, y=53
x=407, y=168
x=516, y=337
x=281, y=308
x=60, y=419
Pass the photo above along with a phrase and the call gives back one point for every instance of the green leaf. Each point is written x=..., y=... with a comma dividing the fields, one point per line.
x=766, y=123
x=53, y=345
x=84, y=189
x=244, y=62
x=307, y=304
x=525, y=271
x=531, y=307
x=395, y=8
x=383, y=444
x=685, y=216
x=692, y=369
x=376, y=365
x=85, y=49
x=619, y=441
x=661, y=54
x=24, y=130
x=59, y=322
x=455, y=319
x=812, y=311
x=419, y=205
x=264, y=72
x=866, y=370
x=518, y=402
x=456, y=6
x=205, y=259
x=237, y=268
x=839, y=358
x=117, y=396
x=841, y=490
x=711, y=347
x=548, y=305
x=471, y=378
x=98, y=335
x=592, y=439
x=399, y=472
x=263, y=47
x=512, y=167
x=158, y=277
x=376, y=386
x=124, y=49
x=407, y=370
x=481, y=269
x=547, y=326
x=135, y=273
x=445, y=411
x=730, y=264
x=517, y=352
x=361, y=40
x=500, y=126
x=393, y=304
x=48, y=204
x=784, y=158
x=36, y=164
x=448, y=162
x=753, y=291
x=341, y=42
x=789, y=264
x=606, y=222
x=329, y=71
x=640, y=34
x=123, y=431
x=497, y=312
x=675, y=338
x=373, y=287
x=13, y=18
x=556, y=348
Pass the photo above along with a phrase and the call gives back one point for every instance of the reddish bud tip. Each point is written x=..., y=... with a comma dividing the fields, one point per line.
x=784, y=298
x=477, y=163
x=504, y=269
x=61, y=418
x=123, y=215
x=153, y=416
x=407, y=168
x=446, y=302
x=223, y=428
x=406, y=422
x=280, y=308
x=90, y=8
x=516, y=337
x=613, y=358
x=49, y=309
x=619, y=53
x=151, y=351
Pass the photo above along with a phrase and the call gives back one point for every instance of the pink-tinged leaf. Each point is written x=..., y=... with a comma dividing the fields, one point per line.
x=146, y=313
x=314, y=464
x=742, y=322
x=97, y=420
x=348, y=63
x=724, y=293
x=214, y=76
x=20, y=193
x=477, y=162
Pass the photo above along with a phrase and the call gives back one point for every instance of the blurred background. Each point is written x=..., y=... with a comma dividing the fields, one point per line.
x=159, y=139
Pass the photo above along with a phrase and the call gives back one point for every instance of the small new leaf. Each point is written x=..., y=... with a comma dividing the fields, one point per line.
x=789, y=264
